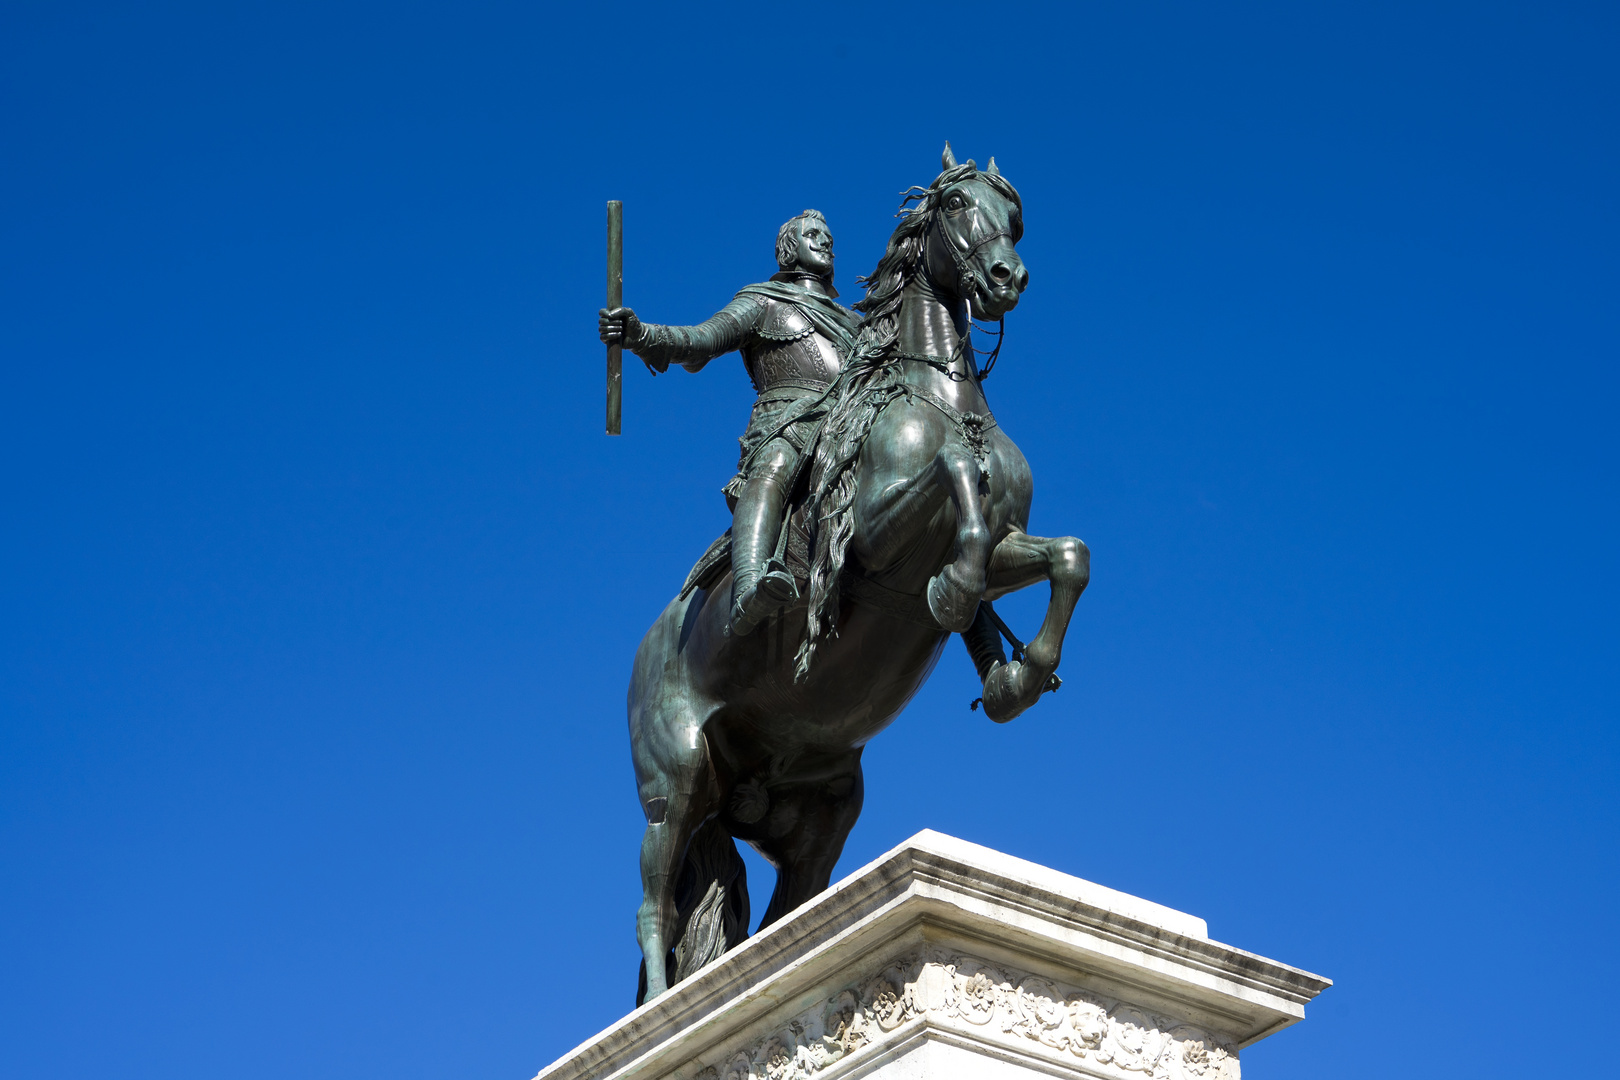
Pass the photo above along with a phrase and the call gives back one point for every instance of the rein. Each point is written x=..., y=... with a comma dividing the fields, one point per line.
x=946, y=365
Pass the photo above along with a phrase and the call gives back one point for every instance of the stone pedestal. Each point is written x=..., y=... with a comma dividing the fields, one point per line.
x=946, y=960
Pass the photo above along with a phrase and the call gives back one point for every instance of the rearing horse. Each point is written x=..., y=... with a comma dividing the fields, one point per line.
x=912, y=518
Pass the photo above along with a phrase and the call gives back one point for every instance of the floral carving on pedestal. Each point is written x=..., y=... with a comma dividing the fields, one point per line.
x=1041, y=1013
x=977, y=1001
x=1011, y=1007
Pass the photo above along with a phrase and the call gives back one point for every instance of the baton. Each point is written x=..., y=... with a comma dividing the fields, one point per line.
x=615, y=298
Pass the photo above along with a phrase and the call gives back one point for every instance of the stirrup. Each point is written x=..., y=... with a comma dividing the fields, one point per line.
x=774, y=591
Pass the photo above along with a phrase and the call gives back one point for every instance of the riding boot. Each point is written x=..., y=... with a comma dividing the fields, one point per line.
x=758, y=589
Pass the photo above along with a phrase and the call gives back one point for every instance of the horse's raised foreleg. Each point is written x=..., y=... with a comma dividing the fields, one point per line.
x=954, y=592
x=1020, y=560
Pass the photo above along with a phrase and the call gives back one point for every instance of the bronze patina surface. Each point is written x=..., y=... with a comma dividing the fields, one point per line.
x=880, y=508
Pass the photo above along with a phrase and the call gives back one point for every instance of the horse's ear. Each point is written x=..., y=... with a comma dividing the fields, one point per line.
x=992, y=170
x=947, y=160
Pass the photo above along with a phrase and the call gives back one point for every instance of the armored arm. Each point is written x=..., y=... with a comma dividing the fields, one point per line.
x=693, y=346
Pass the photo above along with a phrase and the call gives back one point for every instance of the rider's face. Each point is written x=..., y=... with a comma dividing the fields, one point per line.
x=815, y=247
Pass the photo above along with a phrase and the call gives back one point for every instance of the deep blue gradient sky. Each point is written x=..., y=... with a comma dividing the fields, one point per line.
x=320, y=583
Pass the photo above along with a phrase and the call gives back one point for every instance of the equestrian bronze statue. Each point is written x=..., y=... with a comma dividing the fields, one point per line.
x=894, y=505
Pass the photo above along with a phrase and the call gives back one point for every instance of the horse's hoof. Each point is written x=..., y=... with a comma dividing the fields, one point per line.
x=952, y=606
x=1002, y=701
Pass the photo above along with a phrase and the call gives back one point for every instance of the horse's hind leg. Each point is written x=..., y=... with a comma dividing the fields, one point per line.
x=954, y=592
x=1018, y=561
x=677, y=794
x=805, y=835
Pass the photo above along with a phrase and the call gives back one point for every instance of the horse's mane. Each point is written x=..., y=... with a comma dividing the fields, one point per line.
x=868, y=381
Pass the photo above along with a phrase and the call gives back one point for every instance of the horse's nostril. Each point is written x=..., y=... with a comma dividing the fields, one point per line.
x=1001, y=273
x=1023, y=279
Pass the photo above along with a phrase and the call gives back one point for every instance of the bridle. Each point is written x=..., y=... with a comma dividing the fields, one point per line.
x=964, y=269
x=965, y=274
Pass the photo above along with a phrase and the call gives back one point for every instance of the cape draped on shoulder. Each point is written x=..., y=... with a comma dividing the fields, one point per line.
x=830, y=318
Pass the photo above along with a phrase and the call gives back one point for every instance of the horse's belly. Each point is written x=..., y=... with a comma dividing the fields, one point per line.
x=857, y=685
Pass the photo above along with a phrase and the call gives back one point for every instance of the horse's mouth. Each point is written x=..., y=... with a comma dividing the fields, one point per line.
x=995, y=301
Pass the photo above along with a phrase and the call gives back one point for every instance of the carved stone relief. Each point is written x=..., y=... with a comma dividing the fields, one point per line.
x=988, y=1001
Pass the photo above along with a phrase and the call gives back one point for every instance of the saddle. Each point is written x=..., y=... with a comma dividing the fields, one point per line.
x=794, y=553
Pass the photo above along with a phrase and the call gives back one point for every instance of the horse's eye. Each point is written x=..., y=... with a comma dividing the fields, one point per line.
x=955, y=202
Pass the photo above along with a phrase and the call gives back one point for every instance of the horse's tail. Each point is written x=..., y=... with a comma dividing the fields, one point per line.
x=869, y=383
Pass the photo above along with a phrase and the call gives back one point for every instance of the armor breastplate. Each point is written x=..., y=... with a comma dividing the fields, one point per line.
x=787, y=349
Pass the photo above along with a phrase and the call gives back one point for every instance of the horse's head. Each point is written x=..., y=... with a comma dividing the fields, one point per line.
x=975, y=221
x=958, y=235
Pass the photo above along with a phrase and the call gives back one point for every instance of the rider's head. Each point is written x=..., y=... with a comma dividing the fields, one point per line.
x=805, y=243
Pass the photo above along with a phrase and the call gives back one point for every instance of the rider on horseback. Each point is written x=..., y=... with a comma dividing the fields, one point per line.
x=791, y=335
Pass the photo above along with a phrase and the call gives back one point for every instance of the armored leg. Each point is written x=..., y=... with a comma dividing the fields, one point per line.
x=758, y=588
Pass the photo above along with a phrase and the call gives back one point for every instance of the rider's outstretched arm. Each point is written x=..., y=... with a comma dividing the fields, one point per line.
x=693, y=346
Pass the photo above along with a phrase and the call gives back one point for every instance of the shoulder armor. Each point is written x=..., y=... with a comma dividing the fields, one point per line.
x=784, y=322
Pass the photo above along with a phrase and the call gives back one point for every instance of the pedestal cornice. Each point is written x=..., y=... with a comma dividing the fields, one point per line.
x=946, y=940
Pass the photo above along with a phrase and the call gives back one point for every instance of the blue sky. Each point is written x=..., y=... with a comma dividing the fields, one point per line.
x=320, y=582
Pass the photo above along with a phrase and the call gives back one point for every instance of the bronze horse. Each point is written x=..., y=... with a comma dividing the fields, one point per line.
x=911, y=519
